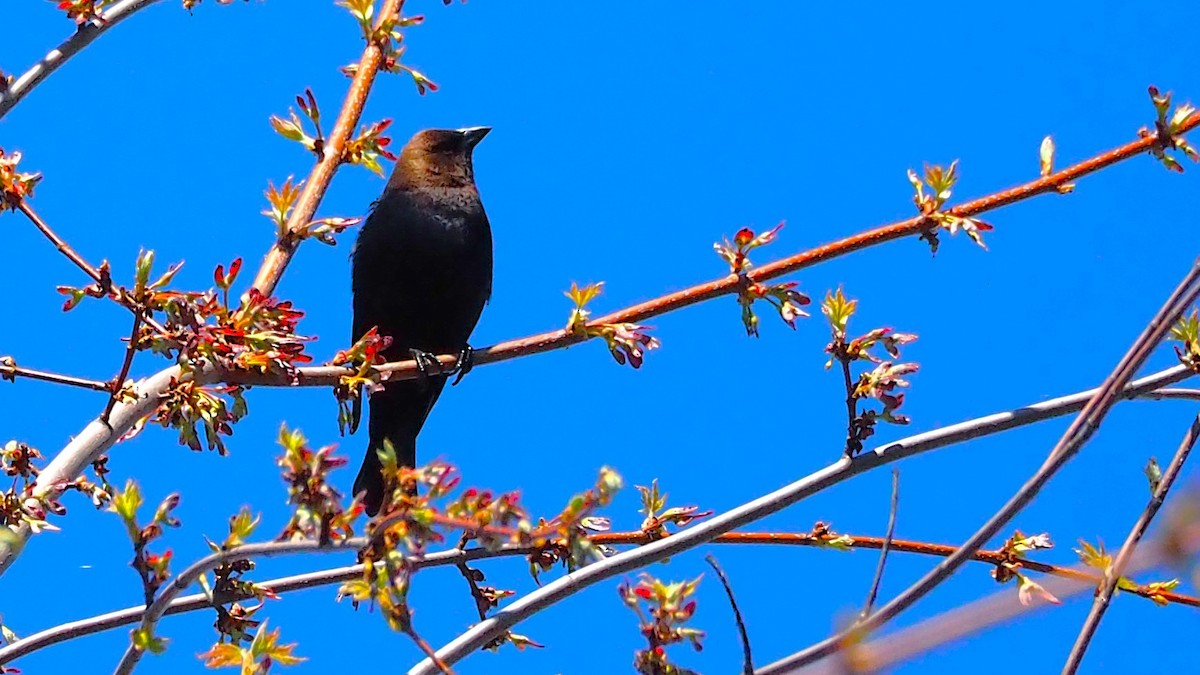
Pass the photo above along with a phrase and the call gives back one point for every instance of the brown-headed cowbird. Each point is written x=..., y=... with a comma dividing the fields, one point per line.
x=422, y=272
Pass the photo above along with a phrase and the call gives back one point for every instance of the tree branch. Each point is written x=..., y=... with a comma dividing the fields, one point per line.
x=9, y=370
x=1112, y=575
x=83, y=37
x=1085, y=424
x=842, y=469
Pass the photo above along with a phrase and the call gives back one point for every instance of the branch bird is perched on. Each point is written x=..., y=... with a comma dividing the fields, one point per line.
x=422, y=272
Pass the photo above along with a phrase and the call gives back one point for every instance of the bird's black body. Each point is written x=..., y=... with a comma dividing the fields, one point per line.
x=422, y=272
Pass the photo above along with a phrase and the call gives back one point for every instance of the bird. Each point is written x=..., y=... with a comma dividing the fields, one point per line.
x=421, y=273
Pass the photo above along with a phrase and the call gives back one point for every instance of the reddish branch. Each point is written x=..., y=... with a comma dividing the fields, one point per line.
x=823, y=539
x=285, y=246
x=558, y=339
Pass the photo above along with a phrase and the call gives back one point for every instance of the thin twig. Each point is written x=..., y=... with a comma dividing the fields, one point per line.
x=285, y=247
x=761, y=507
x=9, y=370
x=747, y=657
x=83, y=36
x=1113, y=574
x=887, y=544
x=118, y=384
x=102, y=279
x=1085, y=424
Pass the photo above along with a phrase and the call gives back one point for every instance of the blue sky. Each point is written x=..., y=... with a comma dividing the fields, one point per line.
x=626, y=140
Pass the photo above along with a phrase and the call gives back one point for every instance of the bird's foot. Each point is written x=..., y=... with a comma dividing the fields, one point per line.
x=426, y=362
x=466, y=361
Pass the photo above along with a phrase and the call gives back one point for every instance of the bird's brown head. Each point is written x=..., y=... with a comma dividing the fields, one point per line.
x=437, y=158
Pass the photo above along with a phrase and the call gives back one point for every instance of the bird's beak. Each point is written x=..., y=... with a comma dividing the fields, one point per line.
x=474, y=134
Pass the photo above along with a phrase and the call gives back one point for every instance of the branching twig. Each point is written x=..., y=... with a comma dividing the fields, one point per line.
x=83, y=37
x=773, y=502
x=1113, y=574
x=158, y=608
x=1085, y=424
x=887, y=544
x=747, y=657
x=10, y=371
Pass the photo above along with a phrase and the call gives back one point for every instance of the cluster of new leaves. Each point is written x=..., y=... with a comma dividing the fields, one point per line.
x=18, y=505
x=200, y=329
x=658, y=515
x=283, y=199
x=293, y=129
x=362, y=357
x=1187, y=332
x=389, y=37
x=783, y=297
x=1167, y=126
x=940, y=182
x=365, y=149
x=15, y=185
x=421, y=508
x=879, y=383
x=1097, y=558
x=627, y=341
x=259, y=334
x=318, y=507
x=256, y=658
x=1014, y=550
x=236, y=624
x=368, y=146
x=668, y=608
x=153, y=568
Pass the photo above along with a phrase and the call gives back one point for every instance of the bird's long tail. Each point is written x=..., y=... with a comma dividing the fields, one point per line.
x=397, y=414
